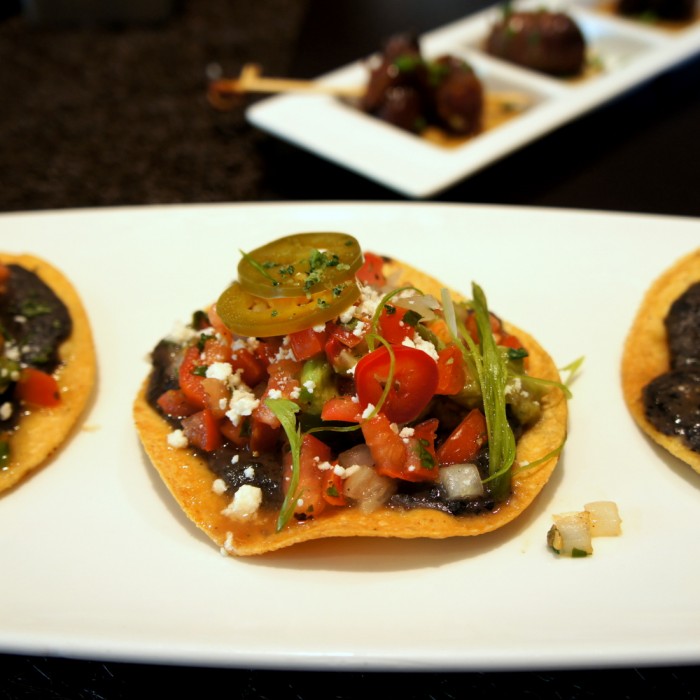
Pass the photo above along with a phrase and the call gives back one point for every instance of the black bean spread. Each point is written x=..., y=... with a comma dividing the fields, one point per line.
x=34, y=322
x=672, y=400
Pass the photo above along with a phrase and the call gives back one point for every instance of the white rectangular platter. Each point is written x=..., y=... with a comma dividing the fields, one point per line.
x=98, y=561
x=628, y=52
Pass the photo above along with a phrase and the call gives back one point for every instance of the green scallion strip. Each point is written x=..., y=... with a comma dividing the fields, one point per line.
x=389, y=379
x=285, y=411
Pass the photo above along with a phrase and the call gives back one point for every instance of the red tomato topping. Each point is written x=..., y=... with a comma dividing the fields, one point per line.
x=307, y=343
x=387, y=448
x=174, y=403
x=202, y=430
x=465, y=441
x=451, y=374
x=420, y=463
x=254, y=370
x=344, y=335
x=342, y=408
x=413, y=384
x=311, y=479
x=392, y=326
x=37, y=388
x=371, y=271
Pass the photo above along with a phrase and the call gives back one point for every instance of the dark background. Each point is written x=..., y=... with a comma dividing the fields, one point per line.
x=110, y=114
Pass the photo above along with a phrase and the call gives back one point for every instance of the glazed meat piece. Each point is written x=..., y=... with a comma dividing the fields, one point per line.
x=664, y=9
x=396, y=82
x=410, y=92
x=548, y=42
x=458, y=97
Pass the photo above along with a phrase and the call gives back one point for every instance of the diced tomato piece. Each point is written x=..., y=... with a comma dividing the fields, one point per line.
x=267, y=350
x=465, y=441
x=392, y=326
x=263, y=437
x=342, y=408
x=387, y=448
x=413, y=383
x=202, y=430
x=451, y=372
x=191, y=376
x=332, y=488
x=4, y=277
x=344, y=334
x=420, y=463
x=37, y=388
x=371, y=271
x=173, y=402
x=311, y=482
x=508, y=340
x=217, y=396
x=307, y=343
x=254, y=370
x=284, y=377
x=215, y=350
x=236, y=434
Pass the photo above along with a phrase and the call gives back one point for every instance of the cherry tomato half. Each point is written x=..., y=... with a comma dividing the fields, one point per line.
x=250, y=315
x=304, y=263
x=413, y=384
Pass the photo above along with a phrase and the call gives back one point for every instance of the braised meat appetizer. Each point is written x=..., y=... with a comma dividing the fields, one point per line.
x=548, y=42
x=411, y=92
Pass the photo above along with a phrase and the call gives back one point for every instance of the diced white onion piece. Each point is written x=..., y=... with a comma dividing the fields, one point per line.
x=605, y=518
x=461, y=481
x=368, y=489
x=423, y=304
x=359, y=455
x=571, y=534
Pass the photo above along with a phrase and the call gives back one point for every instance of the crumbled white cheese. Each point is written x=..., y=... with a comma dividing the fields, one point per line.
x=219, y=370
x=320, y=328
x=295, y=393
x=359, y=329
x=219, y=486
x=245, y=502
x=249, y=472
x=228, y=547
x=274, y=394
x=5, y=410
x=242, y=403
x=420, y=344
x=406, y=432
x=368, y=411
x=310, y=385
x=234, y=459
x=245, y=344
x=177, y=439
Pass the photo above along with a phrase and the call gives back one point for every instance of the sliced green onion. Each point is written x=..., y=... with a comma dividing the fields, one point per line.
x=285, y=411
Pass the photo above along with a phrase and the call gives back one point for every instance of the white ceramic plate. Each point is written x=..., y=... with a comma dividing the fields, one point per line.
x=629, y=52
x=98, y=562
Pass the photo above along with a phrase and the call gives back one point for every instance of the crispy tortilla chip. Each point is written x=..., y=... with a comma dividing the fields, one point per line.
x=646, y=355
x=42, y=431
x=190, y=481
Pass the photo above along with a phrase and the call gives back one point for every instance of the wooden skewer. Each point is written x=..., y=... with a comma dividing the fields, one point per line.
x=251, y=80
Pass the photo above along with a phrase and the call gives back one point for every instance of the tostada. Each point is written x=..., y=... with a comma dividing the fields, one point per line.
x=661, y=361
x=332, y=393
x=47, y=363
